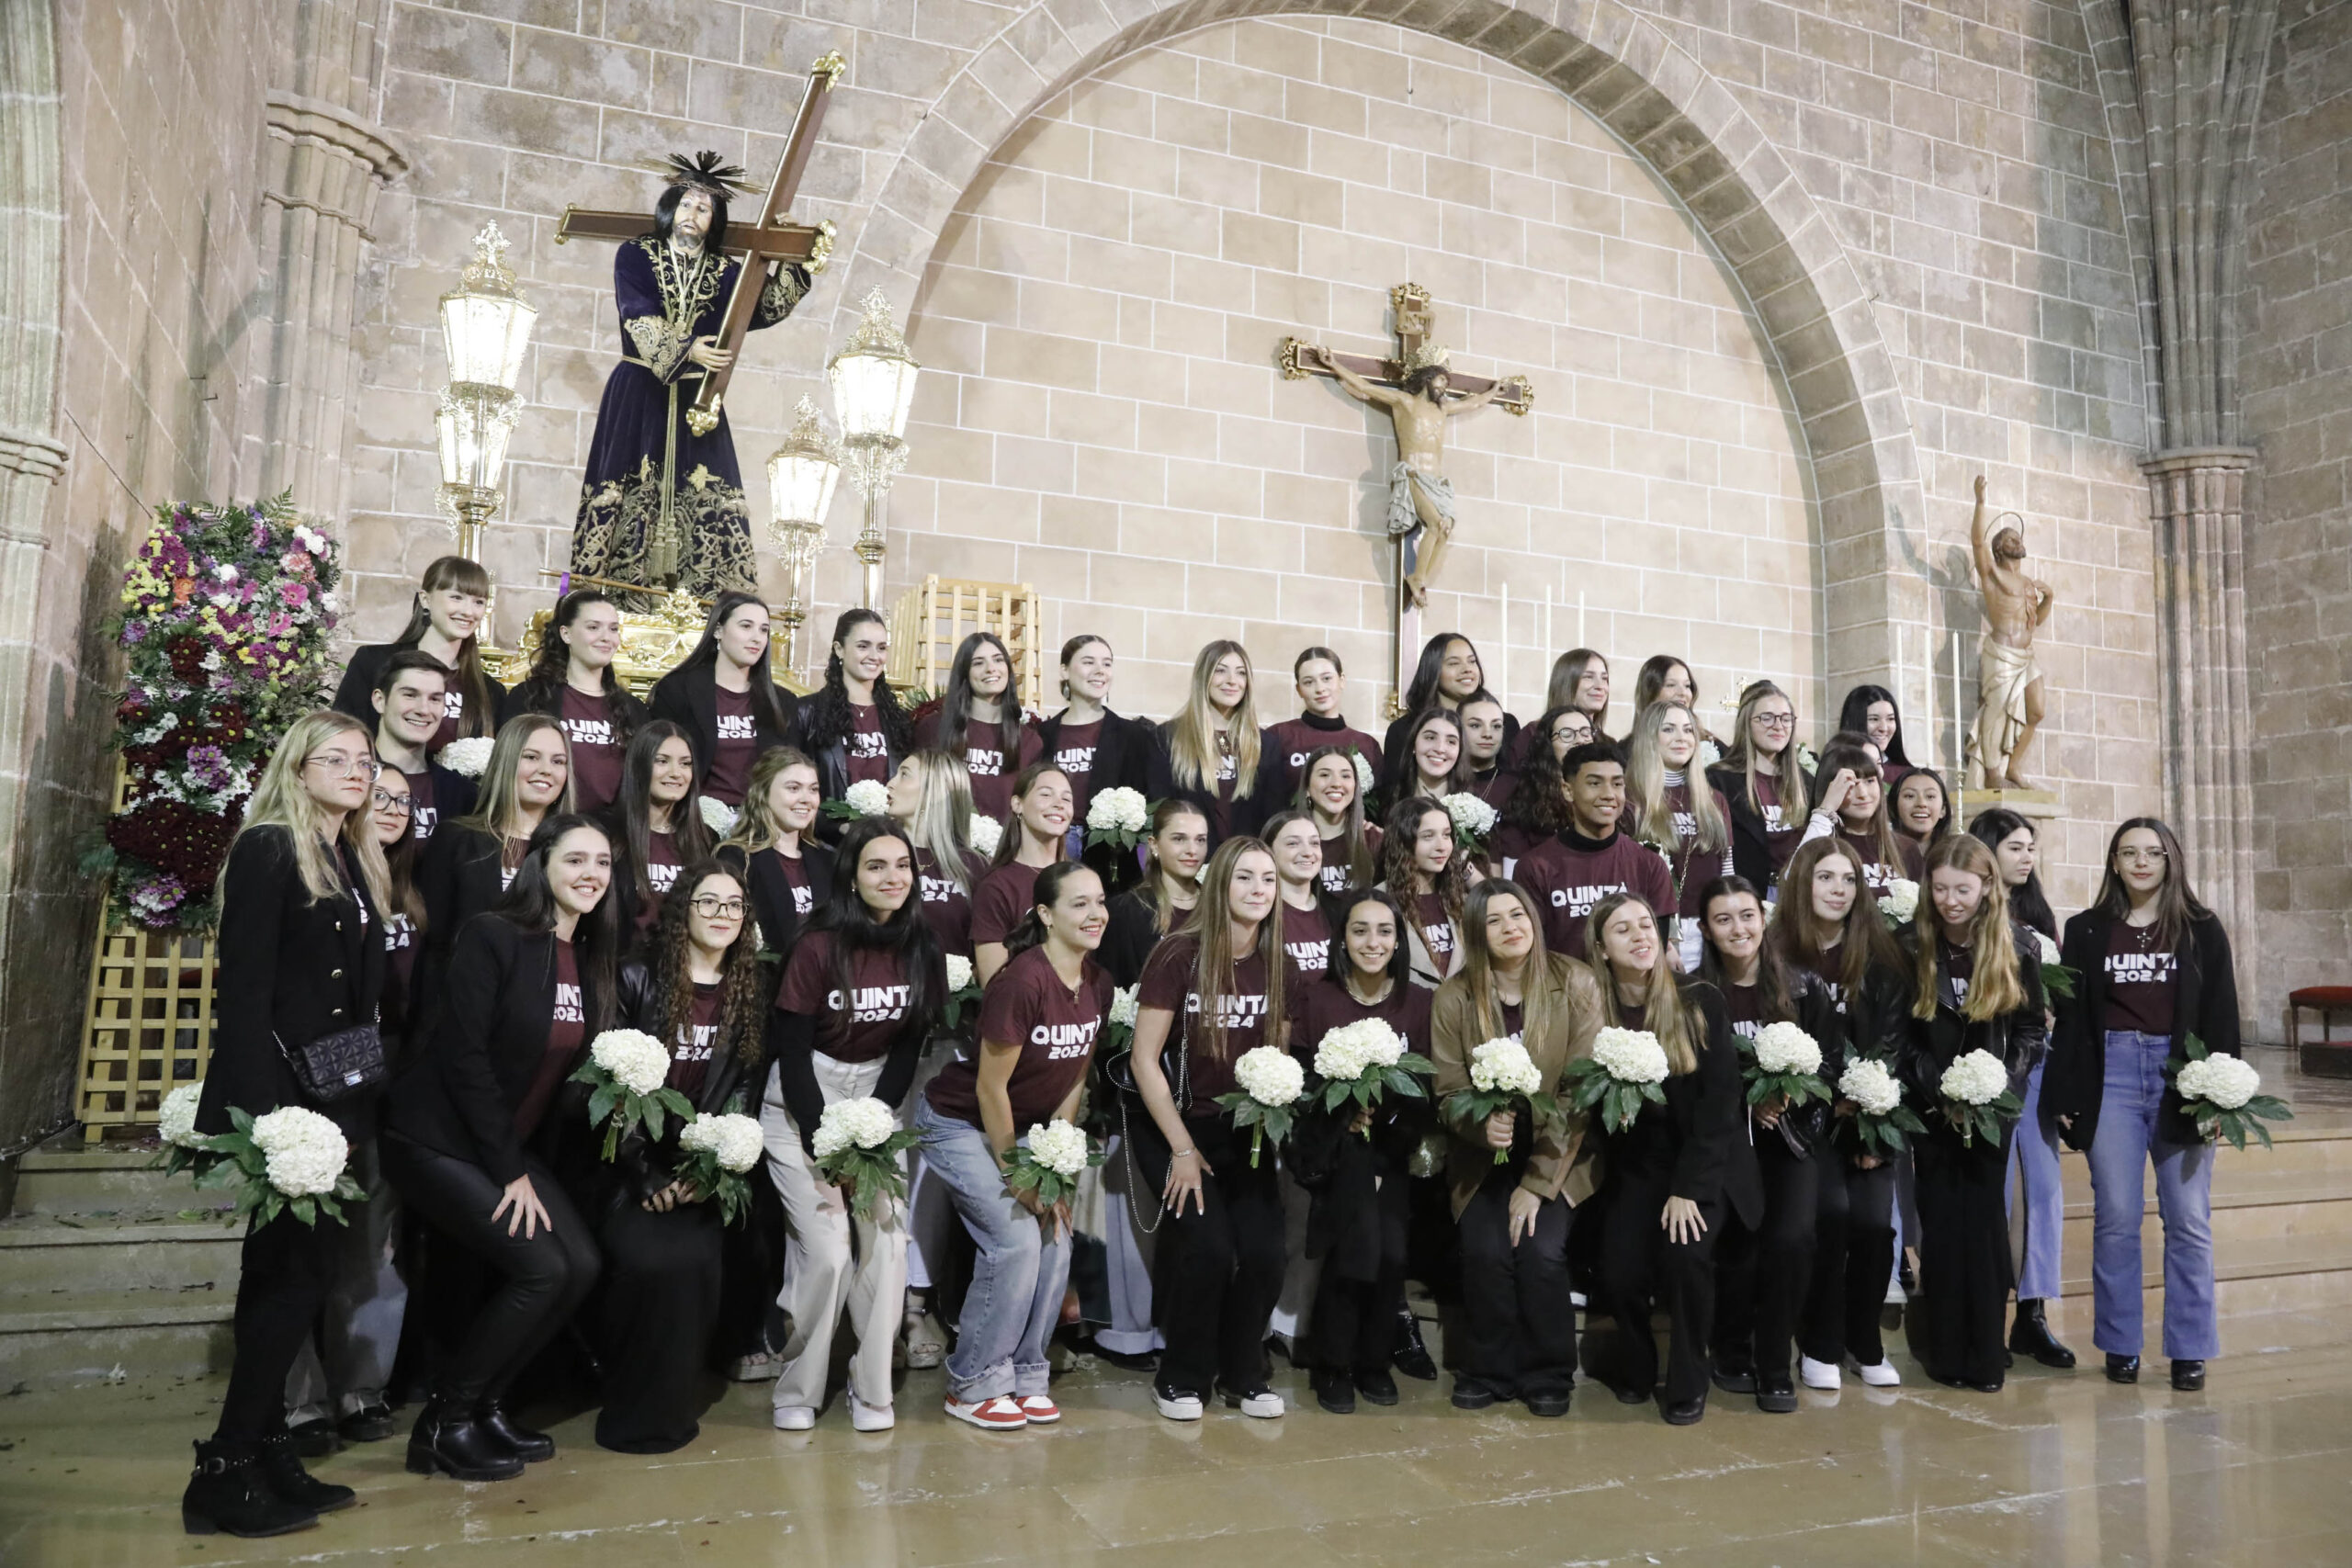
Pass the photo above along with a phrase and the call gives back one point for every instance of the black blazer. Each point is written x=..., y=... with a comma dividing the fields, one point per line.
x=1923, y=1047
x=454, y=795
x=640, y=1168
x=496, y=1004
x=460, y=874
x=355, y=692
x=1690, y=1142
x=771, y=895
x=1244, y=817
x=1123, y=751
x=291, y=970
x=1129, y=940
x=688, y=697
x=1804, y=1129
x=2205, y=1003
x=1752, y=851
x=832, y=763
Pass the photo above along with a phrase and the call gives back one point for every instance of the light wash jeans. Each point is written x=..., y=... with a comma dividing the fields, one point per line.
x=2126, y=1142
x=2035, y=1182
x=1015, y=1298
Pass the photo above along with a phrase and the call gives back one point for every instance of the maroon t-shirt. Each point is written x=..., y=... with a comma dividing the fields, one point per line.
x=1876, y=872
x=1333, y=877
x=1570, y=874
x=1167, y=983
x=1959, y=968
x=596, y=748
x=1001, y=899
x=662, y=869
x=1437, y=931
x=400, y=949
x=730, y=773
x=1074, y=755
x=795, y=877
x=1296, y=740
x=2143, y=981
x=1054, y=1025
x=1306, y=938
x=946, y=908
x=1744, y=1005
x=453, y=718
x=855, y=1028
x=1829, y=968
x=1325, y=1003
x=992, y=770
x=1783, y=826
x=1691, y=870
x=424, y=816
x=567, y=1031
x=1508, y=844
x=868, y=748
x=690, y=1053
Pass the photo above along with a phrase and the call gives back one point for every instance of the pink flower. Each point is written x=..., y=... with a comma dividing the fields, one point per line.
x=295, y=594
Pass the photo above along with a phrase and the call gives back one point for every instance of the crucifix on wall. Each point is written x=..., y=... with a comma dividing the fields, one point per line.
x=1419, y=394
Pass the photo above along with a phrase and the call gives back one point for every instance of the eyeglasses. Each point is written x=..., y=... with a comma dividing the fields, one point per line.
x=345, y=764
x=1776, y=720
x=2141, y=857
x=386, y=801
x=712, y=909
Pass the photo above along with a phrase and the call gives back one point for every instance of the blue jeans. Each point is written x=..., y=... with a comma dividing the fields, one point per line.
x=1015, y=1297
x=2036, y=1182
x=2125, y=1142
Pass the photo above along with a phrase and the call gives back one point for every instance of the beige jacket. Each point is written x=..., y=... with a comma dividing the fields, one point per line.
x=1565, y=1162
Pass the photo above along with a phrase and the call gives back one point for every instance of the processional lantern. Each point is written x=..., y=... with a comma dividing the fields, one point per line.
x=802, y=476
x=485, y=327
x=874, y=391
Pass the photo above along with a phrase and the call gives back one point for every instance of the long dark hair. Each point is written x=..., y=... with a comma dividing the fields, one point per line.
x=955, y=707
x=528, y=905
x=1008, y=844
x=1539, y=794
x=633, y=810
x=1029, y=931
x=2176, y=902
x=1422, y=693
x=766, y=708
x=743, y=1006
x=542, y=689
x=1398, y=872
x=906, y=936
x=1353, y=841
x=827, y=720
x=1848, y=752
x=469, y=677
x=2028, y=902
x=402, y=895
x=1771, y=974
x=1651, y=681
x=1400, y=961
x=665, y=218
x=1404, y=780
x=1855, y=716
x=1798, y=934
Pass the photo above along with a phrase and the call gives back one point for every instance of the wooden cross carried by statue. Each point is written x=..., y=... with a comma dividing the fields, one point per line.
x=761, y=246
x=1419, y=394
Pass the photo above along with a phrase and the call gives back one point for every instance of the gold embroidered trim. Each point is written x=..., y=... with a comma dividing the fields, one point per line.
x=662, y=344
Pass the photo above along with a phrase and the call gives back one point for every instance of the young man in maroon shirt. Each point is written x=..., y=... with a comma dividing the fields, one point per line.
x=1590, y=859
x=1320, y=680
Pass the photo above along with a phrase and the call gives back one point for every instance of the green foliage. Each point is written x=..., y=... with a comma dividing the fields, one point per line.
x=1403, y=1080
x=1474, y=1105
x=1590, y=1087
x=1263, y=1121
x=869, y=1176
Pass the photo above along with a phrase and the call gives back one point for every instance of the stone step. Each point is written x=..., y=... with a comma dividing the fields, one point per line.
x=47, y=1255
x=62, y=1177
x=67, y=1341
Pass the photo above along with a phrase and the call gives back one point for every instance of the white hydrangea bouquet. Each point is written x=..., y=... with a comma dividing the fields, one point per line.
x=719, y=817
x=1783, y=1062
x=963, y=990
x=627, y=1072
x=1119, y=1029
x=1977, y=1098
x=1882, y=1123
x=1118, y=817
x=2056, y=978
x=467, y=757
x=1626, y=1071
x=2223, y=1095
x=1503, y=1077
x=864, y=798
x=288, y=1160
x=1473, y=818
x=1900, y=902
x=985, y=833
x=1050, y=1160
x=717, y=1151
x=1271, y=1083
x=1362, y=1061
x=858, y=1143
x=1364, y=779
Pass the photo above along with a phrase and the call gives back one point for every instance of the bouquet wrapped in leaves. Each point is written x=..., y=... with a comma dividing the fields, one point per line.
x=864, y=798
x=1882, y=1122
x=1783, y=1062
x=1626, y=1071
x=1362, y=1061
x=1119, y=1029
x=1900, y=903
x=962, y=991
x=2056, y=978
x=1118, y=817
x=1049, y=1161
x=290, y=1160
x=1977, y=1098
x=716, y=1153
x=857, y=1143
x=985, y=833
x=628, y=1072
x=2223, y=1097
x=1473, y=820
x=1503, y=1077
x=1271, y=1081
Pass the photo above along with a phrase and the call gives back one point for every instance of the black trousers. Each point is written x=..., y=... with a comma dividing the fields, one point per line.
x=663, y=1276
x=1762, y=1274
x=1964, y=1265
x=1521, y=1327
x=537, y=1280
x=1641, y=1270
x=1355, y=1318
x=286, y=1268
x=1220, y=1273
x=1853, y=1257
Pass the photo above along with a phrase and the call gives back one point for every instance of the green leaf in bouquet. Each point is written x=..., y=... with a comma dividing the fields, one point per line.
x=600, y=1103
x=2059, y=981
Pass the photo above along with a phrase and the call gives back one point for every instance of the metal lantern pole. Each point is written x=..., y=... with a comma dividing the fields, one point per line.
x=874, y=390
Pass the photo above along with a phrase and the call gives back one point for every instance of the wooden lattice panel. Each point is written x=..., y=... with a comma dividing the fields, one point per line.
x=928, y=623
x=148, y=1028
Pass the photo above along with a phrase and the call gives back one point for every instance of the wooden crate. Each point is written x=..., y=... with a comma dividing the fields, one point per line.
x=148, y=1027
x=928, y=623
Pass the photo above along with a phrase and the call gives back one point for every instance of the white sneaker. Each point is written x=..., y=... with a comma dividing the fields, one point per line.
x=1818, y=1374
x=998, y=1414
x=1265, y=1404
x=1878, y=1374
x=1176, y=1404
x=795, y=1418
x=865, y=1418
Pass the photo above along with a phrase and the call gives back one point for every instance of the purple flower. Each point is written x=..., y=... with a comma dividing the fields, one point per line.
x=134, y=633
x=209, y=766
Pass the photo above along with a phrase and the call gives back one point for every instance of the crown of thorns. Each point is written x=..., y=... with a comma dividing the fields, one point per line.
x=704, y=171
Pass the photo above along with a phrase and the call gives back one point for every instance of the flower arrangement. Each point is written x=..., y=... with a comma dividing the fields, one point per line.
x=1977, y=1097
x=2056, y=978
x=469, y=756
x=1783, y=1062
x=223, y=621
x=2223, y=1098
x=1882, y=1122
x=857, y=1143
x=1271, y=1081
x=1502, y=1074
x=1118, y=817
x=719, y=1150
x=1050, y=1160
x=288, y=1160
x=864, y=798
x=1119, y=1029
x=1364, y=1060
x=986, y=833
x=1473, y=818
x=1900, y=902
x=963, y=990
x=628, y=1071
x=1626, y=1071
x=717, y=816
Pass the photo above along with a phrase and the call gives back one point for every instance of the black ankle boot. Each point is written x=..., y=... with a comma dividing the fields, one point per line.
x=281, y=1471
x=1412, y=1356
x=2030, y=1335
x=529, y=1447
x=228, y=1492
x=2122, y=1369
x=448, y=1438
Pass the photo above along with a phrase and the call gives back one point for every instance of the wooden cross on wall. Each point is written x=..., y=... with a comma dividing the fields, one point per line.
x=1411, y=304
x=761, y=247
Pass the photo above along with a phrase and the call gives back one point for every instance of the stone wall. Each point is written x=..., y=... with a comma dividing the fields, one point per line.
x=2297, y=377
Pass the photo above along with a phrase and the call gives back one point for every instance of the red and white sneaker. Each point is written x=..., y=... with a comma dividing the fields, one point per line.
x=998, y=1415
x=1041, y=1411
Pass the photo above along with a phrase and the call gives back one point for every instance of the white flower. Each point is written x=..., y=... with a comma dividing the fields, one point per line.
x=330, y=602
x=1870, y=1085
x=1058, y=1147
x=305, y=1150
x=867, y=798
x=1472, y=817
x=1364, y=775
x=1630, y=1055
x=734, y=1141
x=1710, y=754
x=176, y=1120
x=719, y=817
x=1785, y=1048
x=1977, y=1078
x=1118, y=810
x=866, y=1123
x=314, y=543
x=639, y=1062
x=985, y=834
x=1900, y=902
x=1504, y=1065
x=1270, y=1074
x=2220, y=1080
x=2045, y=949
x=959, y=972
x=467, y=757
x=1350, y=1050
x=225, y=572
x=1806, y=760
x=1123, y=1004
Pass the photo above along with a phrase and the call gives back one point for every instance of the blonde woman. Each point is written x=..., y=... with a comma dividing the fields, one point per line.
x=1677, y=812
x=1212, y=753
x=931, y=800
x=775, y=847
x=1760, y=779
x=470, y=861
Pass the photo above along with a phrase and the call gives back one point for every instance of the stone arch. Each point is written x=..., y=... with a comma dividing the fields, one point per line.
x=1741, y=195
